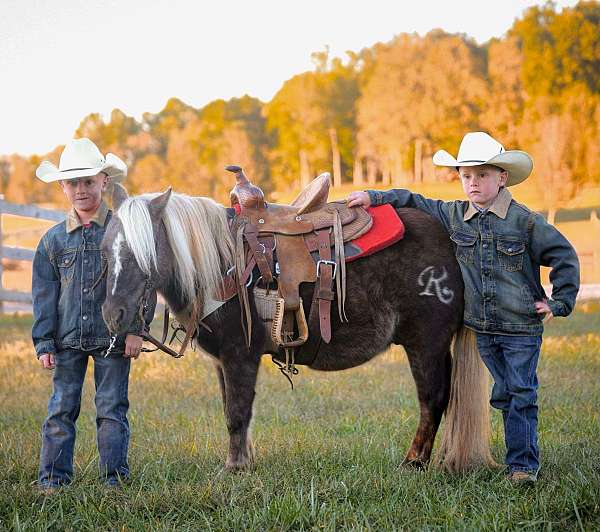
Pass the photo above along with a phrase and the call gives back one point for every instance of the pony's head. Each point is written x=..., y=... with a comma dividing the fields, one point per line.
x=131, y=247
x=177, y=244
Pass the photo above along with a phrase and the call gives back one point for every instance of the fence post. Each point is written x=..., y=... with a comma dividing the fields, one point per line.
x=1, y=265
x=596, y=250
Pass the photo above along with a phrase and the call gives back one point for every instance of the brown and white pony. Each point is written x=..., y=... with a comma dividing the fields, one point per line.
x=410, y=294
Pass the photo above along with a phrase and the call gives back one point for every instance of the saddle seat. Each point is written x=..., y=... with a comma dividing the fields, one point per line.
x=310, y=224
x=309, y=212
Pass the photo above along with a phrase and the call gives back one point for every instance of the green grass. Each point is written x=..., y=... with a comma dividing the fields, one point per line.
x=328, y=453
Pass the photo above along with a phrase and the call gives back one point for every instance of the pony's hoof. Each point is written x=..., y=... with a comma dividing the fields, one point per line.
x=415, y=464
x=237, y=466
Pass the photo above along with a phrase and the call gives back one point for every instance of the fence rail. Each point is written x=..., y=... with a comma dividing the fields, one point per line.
x=588, y=259
x=16, y=253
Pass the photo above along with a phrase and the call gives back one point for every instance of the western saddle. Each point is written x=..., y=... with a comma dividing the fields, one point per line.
x=280, y=240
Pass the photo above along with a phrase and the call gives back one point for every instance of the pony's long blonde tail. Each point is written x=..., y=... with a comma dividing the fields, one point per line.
x=465, y=441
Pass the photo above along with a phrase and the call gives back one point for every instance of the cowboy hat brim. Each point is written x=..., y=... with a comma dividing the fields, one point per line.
x=517, y=163
x=113, y=167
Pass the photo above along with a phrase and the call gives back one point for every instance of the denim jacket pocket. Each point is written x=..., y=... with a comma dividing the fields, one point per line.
x=510, y=254
x=66, y=265
x=465, y=246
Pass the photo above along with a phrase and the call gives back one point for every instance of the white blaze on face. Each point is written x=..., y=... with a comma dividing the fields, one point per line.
x=116, y=249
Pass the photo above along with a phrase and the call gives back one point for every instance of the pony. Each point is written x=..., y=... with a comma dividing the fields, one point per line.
x=409, y=294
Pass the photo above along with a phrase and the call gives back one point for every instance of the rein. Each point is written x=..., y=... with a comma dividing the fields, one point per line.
x=146, y=336
x=190, y=330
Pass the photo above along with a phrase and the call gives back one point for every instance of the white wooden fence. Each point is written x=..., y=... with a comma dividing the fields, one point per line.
x=587, y=291
x=16, y=253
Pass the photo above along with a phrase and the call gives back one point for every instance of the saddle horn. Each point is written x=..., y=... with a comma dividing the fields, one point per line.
x=247, y=195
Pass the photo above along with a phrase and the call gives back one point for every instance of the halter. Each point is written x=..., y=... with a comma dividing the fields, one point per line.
x=160, y=344
x=142, y=309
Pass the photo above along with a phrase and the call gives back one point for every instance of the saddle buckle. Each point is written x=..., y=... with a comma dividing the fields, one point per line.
x=330, y=263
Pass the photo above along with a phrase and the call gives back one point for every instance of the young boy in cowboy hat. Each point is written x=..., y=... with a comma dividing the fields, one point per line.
x=68, y=289
x=500, y=245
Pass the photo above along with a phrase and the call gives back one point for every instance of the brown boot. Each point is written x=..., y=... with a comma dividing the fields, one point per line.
x=522, y=477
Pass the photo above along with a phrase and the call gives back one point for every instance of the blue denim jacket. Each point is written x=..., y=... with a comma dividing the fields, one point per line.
x=66, y=304
x=500, y=252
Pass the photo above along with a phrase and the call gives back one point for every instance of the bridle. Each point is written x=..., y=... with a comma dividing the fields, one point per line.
x=146, y=336
x=159, y=344
x=143, y=306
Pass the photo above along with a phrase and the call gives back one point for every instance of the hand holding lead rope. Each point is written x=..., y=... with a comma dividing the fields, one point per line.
x=113, y=339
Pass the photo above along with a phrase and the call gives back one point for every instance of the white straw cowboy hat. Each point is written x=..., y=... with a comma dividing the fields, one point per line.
x=82, y=158
x=479, y=148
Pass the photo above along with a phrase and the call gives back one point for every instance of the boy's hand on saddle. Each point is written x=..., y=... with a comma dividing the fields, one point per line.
x=359, y=198
x=47, y=360
x=541, y=307
x=133, y=346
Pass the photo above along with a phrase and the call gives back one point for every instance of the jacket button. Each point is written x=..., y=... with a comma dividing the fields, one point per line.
x=485, y=245
x=86, y=290
x=85, y=261
x=84, y=317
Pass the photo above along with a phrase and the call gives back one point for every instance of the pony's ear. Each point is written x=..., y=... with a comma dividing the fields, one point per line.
x=119, y=195
x=158, y=204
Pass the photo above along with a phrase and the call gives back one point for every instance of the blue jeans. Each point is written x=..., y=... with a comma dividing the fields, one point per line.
x=111, y=377
x=512, y=361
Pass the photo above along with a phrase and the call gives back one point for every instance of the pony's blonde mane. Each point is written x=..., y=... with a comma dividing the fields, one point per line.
x=197, y=232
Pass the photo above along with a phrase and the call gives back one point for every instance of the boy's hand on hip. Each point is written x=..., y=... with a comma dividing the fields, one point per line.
x=133, y=346
x=541, y=307
x=47, y=360
x=359, y=198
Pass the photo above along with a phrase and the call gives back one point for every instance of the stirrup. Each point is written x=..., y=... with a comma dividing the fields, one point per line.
x=277, y=328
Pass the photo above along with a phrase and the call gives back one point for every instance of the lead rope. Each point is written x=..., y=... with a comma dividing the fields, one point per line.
x=113, y=339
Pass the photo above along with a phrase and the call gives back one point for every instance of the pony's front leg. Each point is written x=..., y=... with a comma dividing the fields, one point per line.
x=239, y=380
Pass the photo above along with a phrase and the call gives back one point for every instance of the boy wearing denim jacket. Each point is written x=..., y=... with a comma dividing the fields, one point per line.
x=68, y=289
x=500, y=246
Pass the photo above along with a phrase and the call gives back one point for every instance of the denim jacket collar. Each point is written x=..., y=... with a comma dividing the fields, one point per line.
x=99, y=218
x=499, y=207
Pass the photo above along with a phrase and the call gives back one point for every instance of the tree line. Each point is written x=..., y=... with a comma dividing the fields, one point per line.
x=375, y=116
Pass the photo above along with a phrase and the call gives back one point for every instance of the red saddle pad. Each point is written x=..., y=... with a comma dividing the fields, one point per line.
x=387, y=229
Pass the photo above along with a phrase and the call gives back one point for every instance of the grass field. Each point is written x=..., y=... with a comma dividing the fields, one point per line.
x=328, y=453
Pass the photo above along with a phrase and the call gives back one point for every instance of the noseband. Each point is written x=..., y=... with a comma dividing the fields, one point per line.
x=146, y=336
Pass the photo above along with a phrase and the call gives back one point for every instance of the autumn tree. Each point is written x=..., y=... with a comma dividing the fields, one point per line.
x=312, y=122
x=421, y=92
x=376, y=116
x=173, y=117
x=561, y=76
x=504, y=111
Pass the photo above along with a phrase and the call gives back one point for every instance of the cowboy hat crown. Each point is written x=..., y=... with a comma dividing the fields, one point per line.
x=478, y=148
x=82, y=158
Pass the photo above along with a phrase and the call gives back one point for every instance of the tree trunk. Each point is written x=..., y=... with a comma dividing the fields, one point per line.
x=304, y=169
x=357, y=176
x=337, y=164
x=418, y=161
x=398, y=176
x=371, y=171
x=386, y=174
